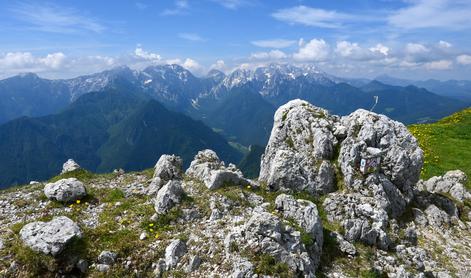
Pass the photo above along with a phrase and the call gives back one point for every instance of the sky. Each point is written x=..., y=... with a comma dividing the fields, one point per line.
x=413, y=39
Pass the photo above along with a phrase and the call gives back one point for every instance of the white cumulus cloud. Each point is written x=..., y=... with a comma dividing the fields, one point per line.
x=416, y=48
x=381, y=49
x=193, y=66
x=464, y=59
x=271, y=55
x=26, y=61
x=444, y=44
x=313, y=51
x=141, y=53
x=219, y=65
x=439, y=65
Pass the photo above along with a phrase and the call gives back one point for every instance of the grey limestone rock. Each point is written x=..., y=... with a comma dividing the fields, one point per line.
x=69, y=166
x=65, y=190
x=52, y=237
x=168, y=196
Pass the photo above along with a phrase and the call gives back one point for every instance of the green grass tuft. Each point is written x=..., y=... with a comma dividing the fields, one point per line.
x=80, y=174
x=446, y=145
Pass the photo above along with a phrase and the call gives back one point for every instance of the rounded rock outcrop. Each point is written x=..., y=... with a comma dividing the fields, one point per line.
x=65, y=190
x=52, y=237
x=301, y=148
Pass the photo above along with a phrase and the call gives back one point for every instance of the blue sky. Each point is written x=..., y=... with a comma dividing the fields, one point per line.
x=416, y=39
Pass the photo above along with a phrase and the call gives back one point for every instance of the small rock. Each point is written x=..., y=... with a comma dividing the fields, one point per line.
x=119, y=171
x=50, y=237
x=436, y=217
x=410, y=236
x=169, y=167
x=159, y=267
x=207, y=167
x=1, y=244
x=102, y=267
x=69, y=166
x=82, y=265
x=65, y=190
x=107, y=257
x=452, y=183
x=193, y=264
x=143, y=236
x=168, y=196
x=344, y=246
x=174, y=252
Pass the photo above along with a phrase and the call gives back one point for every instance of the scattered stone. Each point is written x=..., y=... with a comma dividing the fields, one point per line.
x=119, y=171
x=305, y=214
x=82, y=265
x=169, y=167
x=1, y=244
x=344, y=246
x=174, y=252
x=143, y=236
x=107, y=257
x=451, y=183
x=207, y=167
x=193, y=264
x=410, y=236
x=65, y=190
x=52, y=237
x=168, y=196
x=437, y=217
x=69, y=166
x=102, y=267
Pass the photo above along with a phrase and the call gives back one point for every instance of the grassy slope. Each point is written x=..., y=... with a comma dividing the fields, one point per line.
x=446, y=144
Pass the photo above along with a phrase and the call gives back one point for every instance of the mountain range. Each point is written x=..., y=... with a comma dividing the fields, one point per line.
x=459, y=89
x=239, y=105
x=114, y=128
x=124, y=118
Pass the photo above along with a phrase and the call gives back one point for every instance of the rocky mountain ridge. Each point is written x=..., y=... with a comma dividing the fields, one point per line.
x=336, y=197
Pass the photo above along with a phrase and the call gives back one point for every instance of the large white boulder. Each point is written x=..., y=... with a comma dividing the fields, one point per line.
x=52, y=237
x=65, y=190
x=300, y=150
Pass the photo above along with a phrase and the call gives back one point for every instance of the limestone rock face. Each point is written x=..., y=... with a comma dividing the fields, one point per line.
x=451, y=183
x=207, y=167
x=301, y=146
x=266, y=233
x=311, y=150
x=65, y=190
x=52, y=237
x=69, y=166
x=369, y=133
x=168, y=196
x=305, y=214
